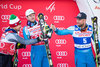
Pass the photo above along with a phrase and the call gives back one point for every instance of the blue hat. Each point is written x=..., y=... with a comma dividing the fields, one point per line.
x=81, y=15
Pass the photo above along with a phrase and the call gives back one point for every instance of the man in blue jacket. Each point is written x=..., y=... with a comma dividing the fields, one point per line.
x=82, y=34
x=32, y=31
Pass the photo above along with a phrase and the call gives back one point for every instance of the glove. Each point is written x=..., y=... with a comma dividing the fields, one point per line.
x=19, y=46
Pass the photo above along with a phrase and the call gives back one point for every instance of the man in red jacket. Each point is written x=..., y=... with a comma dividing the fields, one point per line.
x=9, y=39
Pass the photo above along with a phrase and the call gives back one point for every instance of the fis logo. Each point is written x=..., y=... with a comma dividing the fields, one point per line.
x=51, y=7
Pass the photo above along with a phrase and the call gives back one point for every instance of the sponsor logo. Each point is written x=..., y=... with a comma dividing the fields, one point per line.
x=26, y=54
x=85, y=34
x=5, y=18
x=61, y=53
x=58, y=45
x=51, y=7
x=56, y=21
x=62, y=65
x=60, y=41
x=26, y=65
x=59, y=18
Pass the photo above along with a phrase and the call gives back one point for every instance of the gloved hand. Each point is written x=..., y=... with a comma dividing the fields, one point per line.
x=19, y=46
x=40, y=38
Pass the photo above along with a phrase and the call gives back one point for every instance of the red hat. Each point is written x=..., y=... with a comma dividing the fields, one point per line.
x=14, y=21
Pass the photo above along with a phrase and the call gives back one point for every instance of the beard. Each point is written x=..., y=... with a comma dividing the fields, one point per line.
x=32, y=21
x=17, y=30
x=81, y=25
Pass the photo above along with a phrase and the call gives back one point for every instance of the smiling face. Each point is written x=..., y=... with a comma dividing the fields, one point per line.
x=31, y=17
x=81, y=22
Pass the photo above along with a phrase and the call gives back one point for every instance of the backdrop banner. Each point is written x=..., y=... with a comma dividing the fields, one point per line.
x=60, y=13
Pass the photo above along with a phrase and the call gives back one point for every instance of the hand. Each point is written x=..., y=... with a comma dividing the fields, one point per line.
x=41, y=37
x=98, y=55
x=53, y=27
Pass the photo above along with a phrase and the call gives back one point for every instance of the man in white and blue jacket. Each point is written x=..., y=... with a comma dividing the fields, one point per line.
x=32, y=31
x=82, y=34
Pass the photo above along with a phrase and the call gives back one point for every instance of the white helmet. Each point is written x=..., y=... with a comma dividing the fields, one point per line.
x=29, y=11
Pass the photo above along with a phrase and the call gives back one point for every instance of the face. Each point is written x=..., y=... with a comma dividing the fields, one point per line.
x=17, y=28
x=31, y=17
x=81, y=22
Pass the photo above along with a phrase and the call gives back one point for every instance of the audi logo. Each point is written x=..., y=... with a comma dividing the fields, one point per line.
x=62, y=65
x=5, y=17
x=61, y=53
x=26, y=54
x=59, y=17
x=60, y=41
x=26, y=65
